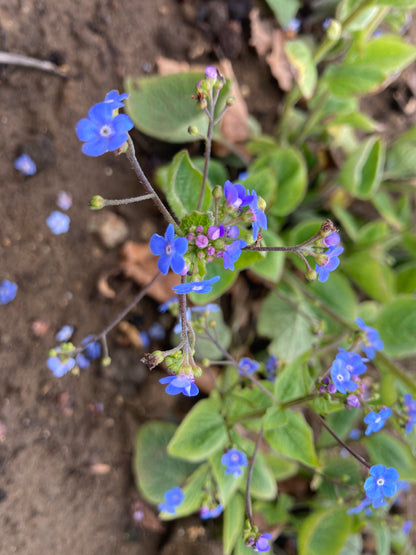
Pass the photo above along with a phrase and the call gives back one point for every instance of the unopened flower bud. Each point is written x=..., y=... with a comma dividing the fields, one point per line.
x=197, y=372
x=261, y=203
x=97, y=202
x=151, y=360
x=218, y=192
x=211, y=72
x=311, y=275
x=327, y=228
x=192, y=130
x=334, y=30
x=230, y=101
x=106, y=361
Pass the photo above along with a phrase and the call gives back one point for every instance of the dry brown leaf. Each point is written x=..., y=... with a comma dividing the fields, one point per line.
x=166, y=66
x=234, y=124
x=139, y=264
x=278, y=61
x=261, y=32
x=100, y=469
x=131, y=333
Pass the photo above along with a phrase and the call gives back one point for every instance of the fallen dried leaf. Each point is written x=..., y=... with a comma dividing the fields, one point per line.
x=166, y=66
x=278, y=61
x=131, y=333
x=261, y=32
x=100, y=468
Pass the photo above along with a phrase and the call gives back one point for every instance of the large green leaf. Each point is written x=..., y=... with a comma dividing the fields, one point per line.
x=264, y=182
x=155, y=471
x=372, y=276
x=346, y=80
x=397, y=326
x=390, y=53
x=263, y=484
x=337, y=294
x=233, y=523
x=324, y=532
x=402, y=4
x=184, y=186
x=284, y=10
x=294, y=439
x=400, y=160
x=200, y=434
x=406, y=278
x=294, y=381
x=388, y=450
x=300, y=56
x=162, y=106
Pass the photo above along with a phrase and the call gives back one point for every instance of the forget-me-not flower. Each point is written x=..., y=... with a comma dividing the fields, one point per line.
x=173, y=498
x=115, y=99
x=60, y=367
x=169, y=250
x=203, y=286
x=381, y=483
x=236, y=195
x=353, y=362
x=205, y=512
x=341, y=377
x=329, y=263
x=233, y=460
x=58, y=222
x=262, y=543
x=258, y=217
x=25, y=164
x=372, y=341
x=376, y=420
x=8, y=291
x=247, y=366
x=64, y=334
x=180, y=384
x=232, y=253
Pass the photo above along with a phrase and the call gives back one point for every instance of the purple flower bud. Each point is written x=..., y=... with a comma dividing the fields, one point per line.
x=232, y=231
x=215, y=232
x=332, y=240
x=190, y=237
x=322, y=389
x=353, y=402
x=219, y=254
x=331, y=388
x=211, y=251
x=201, y=241
x=211, y=72
x=199, y=229
x=326, y=380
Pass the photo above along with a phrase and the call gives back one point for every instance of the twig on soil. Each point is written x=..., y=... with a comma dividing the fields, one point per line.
x=8, y=58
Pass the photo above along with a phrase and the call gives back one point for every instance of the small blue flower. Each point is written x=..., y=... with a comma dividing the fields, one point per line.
x=64, y=200
x=293, y=25
x=173, y=498
x=258, y=217
x=332, y=240
x=232, y=253
x=233, y=460
x=262, y=543
x=60, y=367
x=203, y=286
x=25, y=164
x=178, y=327
x=82, y=361
x=376, y=420
x=8, y=291
x=410, y=406
x=341, y=377
x=353, y=362
x=157, y=332
x=355, y=434
x=210, y=307
x=372, y=341
x=360, y=507
x=236, y=195
x=164, y=307
x=102, y=131
x=180, y=384
x=272, y=365
x=381, y=483
x=407, y=525
x=58, y=222
x=144, y=339
x=93, y=348
x=330, y=263
x=115, y=99
x=170, y=250
x=64, y=334
x=247, y=366
x=205, y=512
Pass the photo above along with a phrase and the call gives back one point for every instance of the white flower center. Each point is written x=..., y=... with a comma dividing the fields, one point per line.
x=105, y=131
x=168, y=249
x=380, y=482
x=340, y=378
x=349, y=367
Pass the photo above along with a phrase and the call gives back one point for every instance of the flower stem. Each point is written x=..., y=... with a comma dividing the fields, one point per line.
x=249, y=508
x=208, y=144
x=118, y=202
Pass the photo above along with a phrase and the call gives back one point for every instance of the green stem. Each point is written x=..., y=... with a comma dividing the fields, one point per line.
x=249, y=509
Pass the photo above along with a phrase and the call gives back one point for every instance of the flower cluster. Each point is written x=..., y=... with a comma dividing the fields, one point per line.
x=104, y=129
x=173, y=498
x=382, y=482
x=234, y=460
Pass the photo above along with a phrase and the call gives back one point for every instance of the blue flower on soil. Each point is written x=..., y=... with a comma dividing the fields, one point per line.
x=247, y=366
x=170, y=250
x=372, y=341
x=360, y=507
x=330, y=264
x=93, y=349
x=236, y=195
x=332, y=240
x=157, y=332
x=82, y=361
x=410, y=406
x=258, y=217
x=353, y=362
x=341, y=377
x=180, y=384
x=210, y=307
x=173, y=498
x=60, y=367
x=58, y=222
x=381, y=483
x=8, y=291
x=115, y=99
x=262, y=543
x=102, y=131
x=376, y=420
x=233, y=460
x=232, y=253
x=205, y=512
x=25, y=164
x=64, y=334
x=203, y=286
x=64, y=200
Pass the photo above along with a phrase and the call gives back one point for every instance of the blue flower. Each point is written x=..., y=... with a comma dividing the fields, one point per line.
x=262, y=543
x=58, y=222
x=210, y=307
x=203, y=286
x=173, y=498
x=8, y=291
x=64, y=334
x=360, y=507
x=407, y=525
x=180, y=384
x=157, y=332
x=372, y=341
x=205, y=512
x=60, y=367
x=293, y=25
x=341, y=377
x=330, y=263
x=170, y=250
x=232, y=253
x=178, y=327
x=376, y=420
x=353, y=362
x=236, y=195
x=25, y=164
x=82, y=361
x=258, y=217
x=64, y=200
x=272, y=365
x=92, y=349
x=102, y=131
x=164, y=307
x=332, y=240
x=410, y=406
x=381, y=483
x=233, y=460
x=144, y=339
x=115, y=99
x=247, y=366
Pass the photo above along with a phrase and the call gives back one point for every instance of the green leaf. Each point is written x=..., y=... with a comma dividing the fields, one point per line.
x=324, y=532
x=398, y=4
x=373, y=277
x=243, y=401
x=201, y=433
x=227, y=278
x=349, y=80
x=284, y=10
x=383, y=538
x=275, y=512
x=397, y=326
x=400, y=160
x=227, y=484
x=184, y=186
x=386, y=449
x=194, y=494
x=263, y=484
x=358, y=120
x=353, y=546
x=406, y=278
x=341, y=422
x=233, y=523
x=371, y=233
x=264, y=182
x=286, y=324
x=155, y=471
x=390, y=53
x=294, y=381
x=337, y=294
x=384, y=203
x=347, y=470
x=362, y=171
x=280, y=467
x=241, y=548
x=294, y=439
x=162, y=106
x=271, y=266
x=300, y=56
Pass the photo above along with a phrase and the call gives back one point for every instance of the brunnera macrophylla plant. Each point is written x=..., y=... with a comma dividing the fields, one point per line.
x=319, y=400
